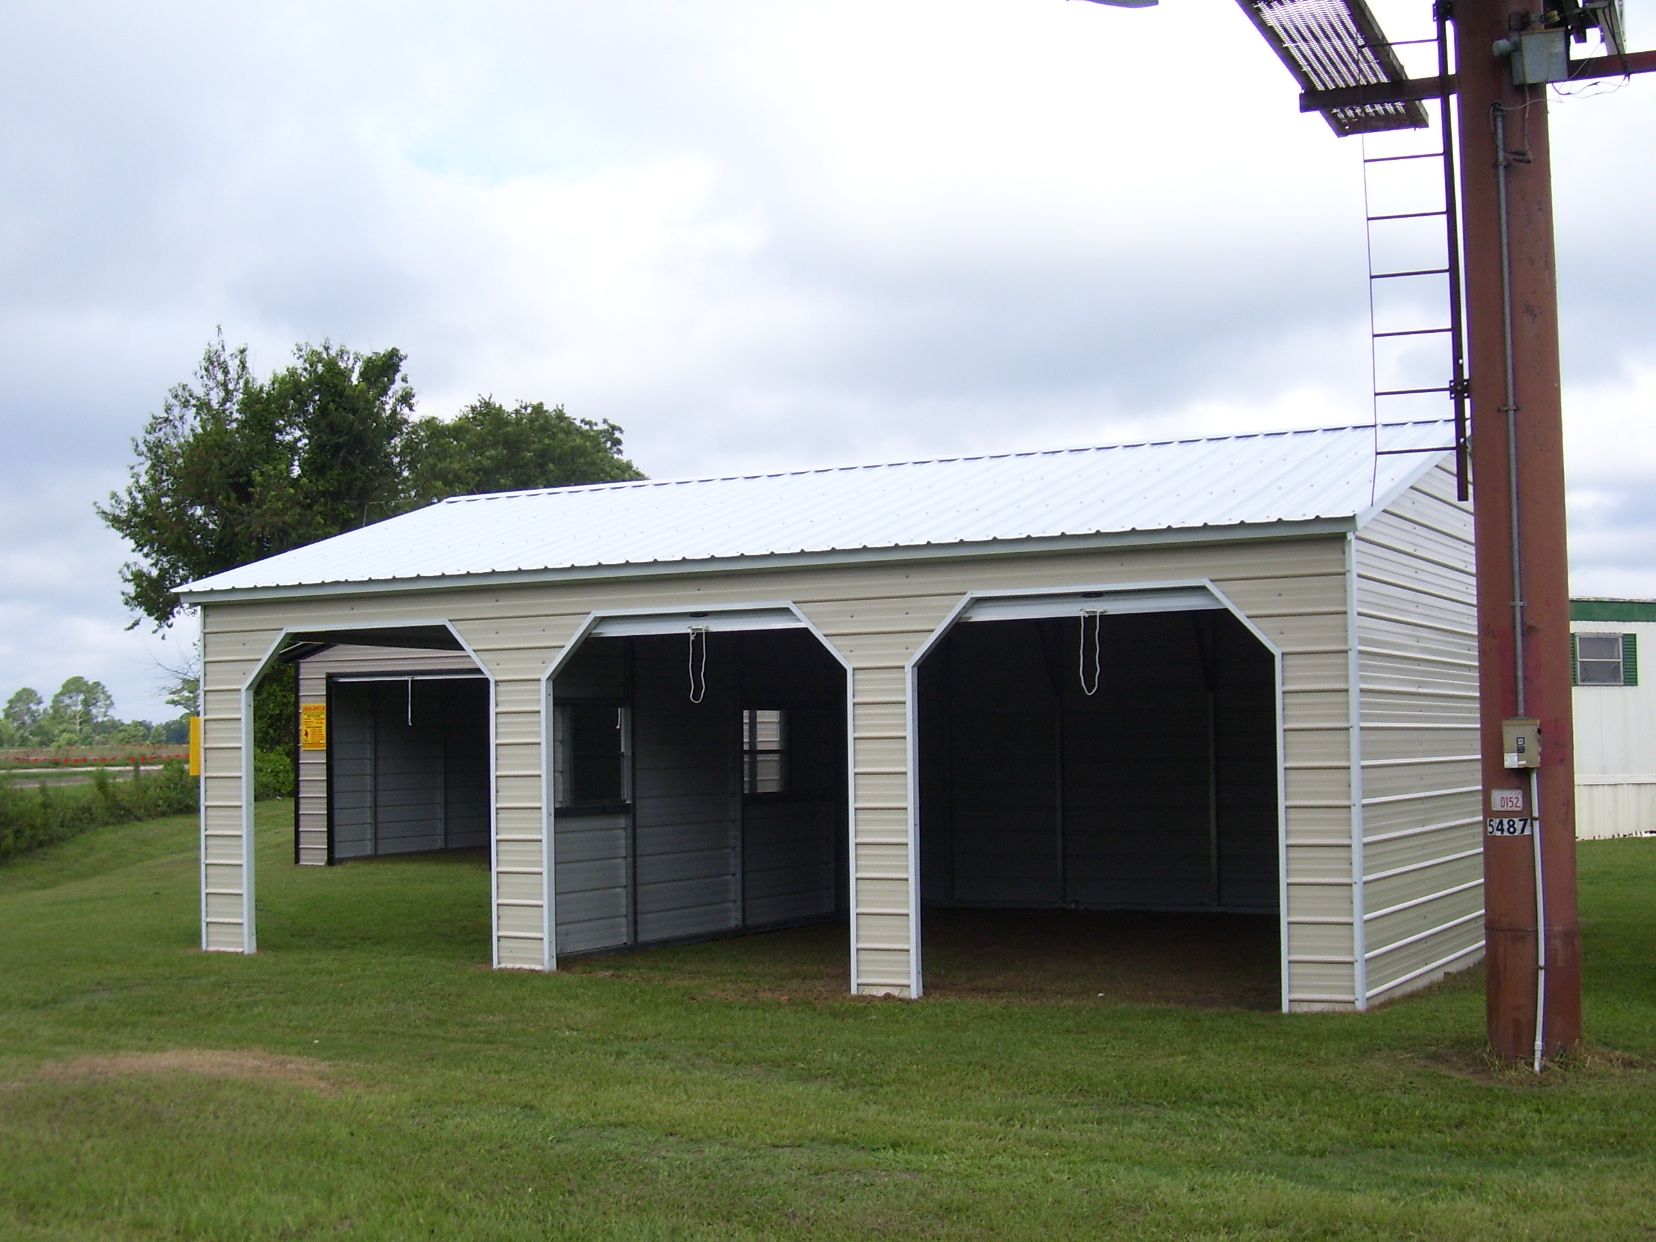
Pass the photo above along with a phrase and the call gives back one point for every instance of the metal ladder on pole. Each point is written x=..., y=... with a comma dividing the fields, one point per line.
x=1414, y=269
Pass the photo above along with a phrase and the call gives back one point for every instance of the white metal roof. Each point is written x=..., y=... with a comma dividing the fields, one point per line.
x=1135, y=493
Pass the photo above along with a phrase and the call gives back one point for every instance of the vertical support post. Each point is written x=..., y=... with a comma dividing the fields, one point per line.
x=1518, y=476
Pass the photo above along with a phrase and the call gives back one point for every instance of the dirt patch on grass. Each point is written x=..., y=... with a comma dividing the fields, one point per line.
x=248, y=1065
x=1479, y=1064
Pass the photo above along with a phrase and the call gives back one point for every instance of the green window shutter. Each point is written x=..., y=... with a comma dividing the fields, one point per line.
x=1575, y=662
x=1630, y=659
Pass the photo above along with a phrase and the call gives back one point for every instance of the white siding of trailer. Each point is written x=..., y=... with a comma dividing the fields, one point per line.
x=877, y=616
x=312, y=809
x=1417, y=747
x=1615, y=744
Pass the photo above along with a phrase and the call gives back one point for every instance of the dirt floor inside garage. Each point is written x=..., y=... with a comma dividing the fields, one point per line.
x=1204, y=960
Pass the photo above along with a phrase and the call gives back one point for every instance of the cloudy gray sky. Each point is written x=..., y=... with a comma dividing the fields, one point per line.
x=754, y=233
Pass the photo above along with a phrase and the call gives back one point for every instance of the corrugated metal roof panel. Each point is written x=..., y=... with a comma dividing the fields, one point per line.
x=1150, y=489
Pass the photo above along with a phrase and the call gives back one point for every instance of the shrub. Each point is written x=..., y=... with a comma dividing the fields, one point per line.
x=32, y=818
x=273, y=775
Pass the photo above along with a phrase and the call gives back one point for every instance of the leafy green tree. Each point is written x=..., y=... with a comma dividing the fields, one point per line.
x=490, y=448
x=81, y=711
x=234, y=469
x=25, y=712
x=171, y=732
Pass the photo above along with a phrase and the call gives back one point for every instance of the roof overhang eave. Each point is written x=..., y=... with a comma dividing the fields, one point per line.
x=785, y=561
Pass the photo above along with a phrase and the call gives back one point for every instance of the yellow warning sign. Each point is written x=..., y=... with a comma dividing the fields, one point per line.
x=313, y=726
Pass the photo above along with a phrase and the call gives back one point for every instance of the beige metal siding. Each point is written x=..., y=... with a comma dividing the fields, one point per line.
x=234, y=647
x=1418, y=709
x=877, y=616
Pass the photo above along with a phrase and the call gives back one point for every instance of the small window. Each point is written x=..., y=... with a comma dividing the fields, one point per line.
x=591, y=751
x=764, y=750
x=1604, y=660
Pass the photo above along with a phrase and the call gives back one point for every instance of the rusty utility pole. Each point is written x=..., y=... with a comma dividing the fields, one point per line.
x=1533, y=945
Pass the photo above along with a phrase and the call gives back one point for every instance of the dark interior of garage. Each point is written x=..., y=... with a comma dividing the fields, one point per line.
x=1075, y=769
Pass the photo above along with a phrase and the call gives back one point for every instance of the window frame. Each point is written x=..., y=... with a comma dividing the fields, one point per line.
x=754, y=751
x=566, y=757
x=1604, y=670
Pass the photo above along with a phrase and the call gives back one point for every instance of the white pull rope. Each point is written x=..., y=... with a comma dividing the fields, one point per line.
x=698, y=663
x=1089, y=686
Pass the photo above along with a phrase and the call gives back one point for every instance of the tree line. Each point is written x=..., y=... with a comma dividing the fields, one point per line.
x=81, y=713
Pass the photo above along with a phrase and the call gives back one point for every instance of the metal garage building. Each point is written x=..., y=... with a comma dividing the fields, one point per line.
x=1226, y=674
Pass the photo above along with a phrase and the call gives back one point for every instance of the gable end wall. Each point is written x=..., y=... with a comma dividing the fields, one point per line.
x=1421, y=786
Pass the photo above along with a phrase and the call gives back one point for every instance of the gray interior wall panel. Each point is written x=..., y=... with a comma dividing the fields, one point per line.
x=1003, y=764
x=1136, y=802
x=408, y=770
x=592, y=877
x=691, y=856
x=1155, y=791
x=408, y=766
x=466, y=762
x=347, y=659
x=1249, y=856
x=685, y=791
x=351, y=771
x=791, y=846
x=936, y=810
x=788, y=863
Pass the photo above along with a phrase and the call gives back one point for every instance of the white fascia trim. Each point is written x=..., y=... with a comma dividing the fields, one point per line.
x=201, y=791
x=549, y=813
x=1354, y=702
x=378, y=677
x=723, y=618
x=250, y=939
x=789, y=560
x=1065, y=602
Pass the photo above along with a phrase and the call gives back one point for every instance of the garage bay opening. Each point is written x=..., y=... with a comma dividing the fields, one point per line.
x=1099, y=804
x=699, y=780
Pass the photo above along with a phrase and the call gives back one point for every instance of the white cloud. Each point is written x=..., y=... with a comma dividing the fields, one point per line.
x=753, y=234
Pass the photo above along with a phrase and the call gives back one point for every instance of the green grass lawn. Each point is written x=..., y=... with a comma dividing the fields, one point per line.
x=365, y=1075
